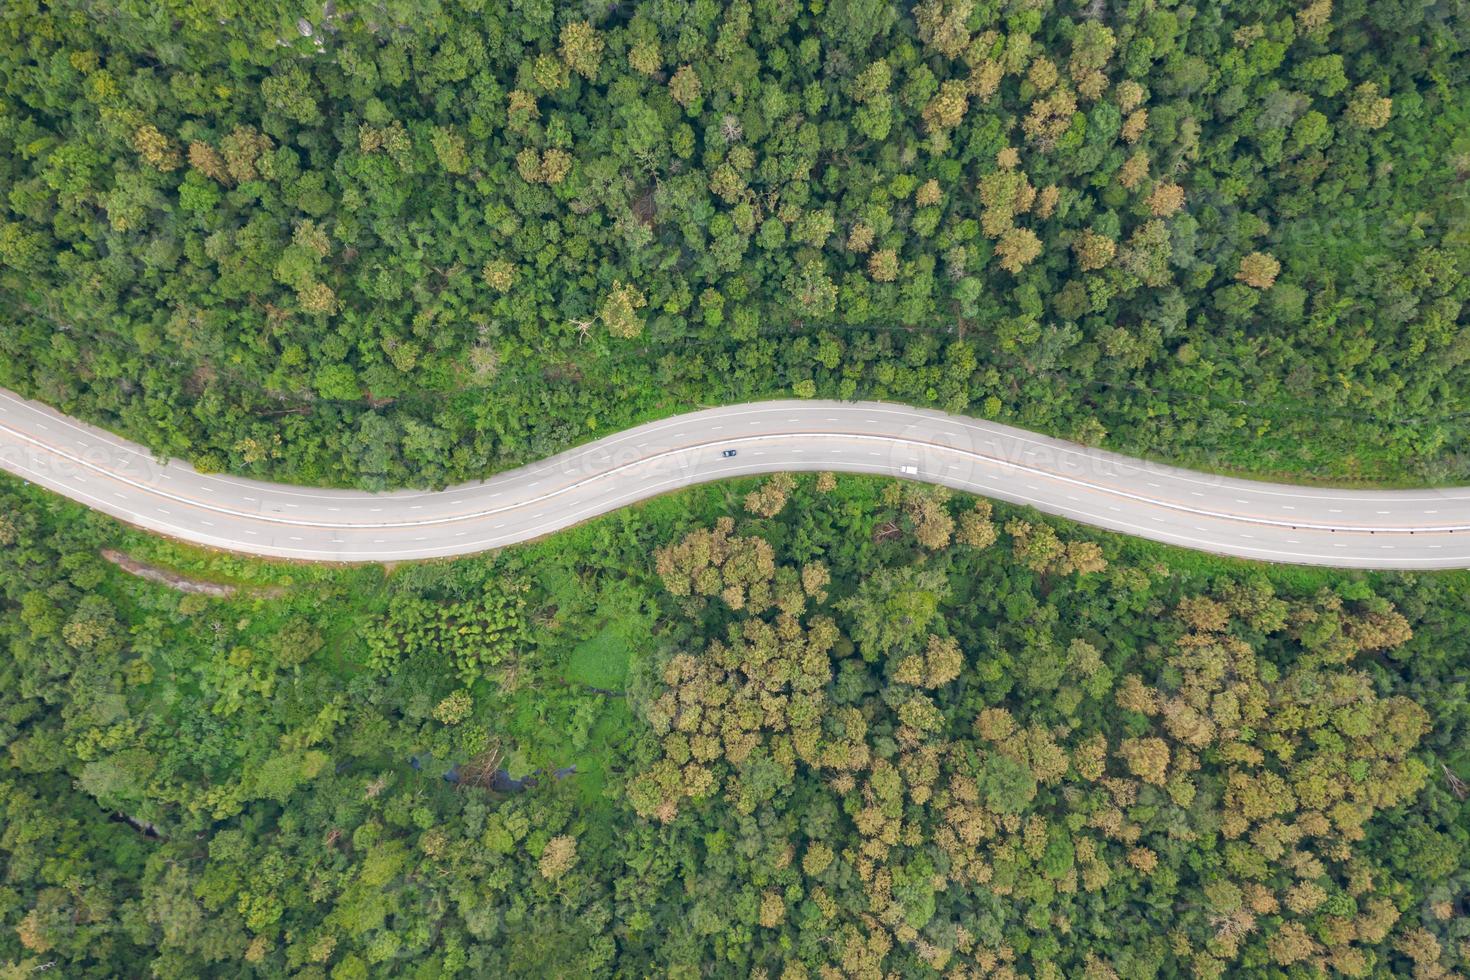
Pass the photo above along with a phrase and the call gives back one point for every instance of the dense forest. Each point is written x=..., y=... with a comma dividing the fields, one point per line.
x=414, y=241
x=798, y=728
x=809, y=727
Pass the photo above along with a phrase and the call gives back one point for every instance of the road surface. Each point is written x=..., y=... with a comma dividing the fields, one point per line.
x=1386, y=529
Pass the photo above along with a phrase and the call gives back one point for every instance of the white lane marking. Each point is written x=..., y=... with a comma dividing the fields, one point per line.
x=605, y=504
x=998, y=431
x=994, y=490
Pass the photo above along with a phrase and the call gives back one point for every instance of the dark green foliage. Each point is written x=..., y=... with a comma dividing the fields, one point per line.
x=1006, y=786
x=949, y=799
x=410, y=243
x=428, y=241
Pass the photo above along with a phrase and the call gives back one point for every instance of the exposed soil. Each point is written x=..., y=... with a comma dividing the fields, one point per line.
x=174, y=580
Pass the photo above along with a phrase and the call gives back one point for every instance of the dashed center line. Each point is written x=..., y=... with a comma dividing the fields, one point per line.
x=982, y=458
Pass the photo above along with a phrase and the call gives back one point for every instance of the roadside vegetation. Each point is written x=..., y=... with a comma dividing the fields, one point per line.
x=414, y=242
x=809, y=727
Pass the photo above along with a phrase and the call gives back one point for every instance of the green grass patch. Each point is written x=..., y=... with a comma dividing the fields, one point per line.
x=601, y=661
x=625, y=619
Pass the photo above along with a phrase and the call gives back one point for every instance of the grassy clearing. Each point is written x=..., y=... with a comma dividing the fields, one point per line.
x=601, y=661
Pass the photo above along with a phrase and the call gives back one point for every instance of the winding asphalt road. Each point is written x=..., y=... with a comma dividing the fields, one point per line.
x=1387, y=529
